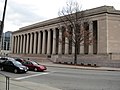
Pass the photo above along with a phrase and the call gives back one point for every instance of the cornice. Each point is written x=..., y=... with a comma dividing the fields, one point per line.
x=87, y=13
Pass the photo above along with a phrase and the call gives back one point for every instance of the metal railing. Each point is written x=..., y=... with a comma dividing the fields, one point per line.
x=6, y=82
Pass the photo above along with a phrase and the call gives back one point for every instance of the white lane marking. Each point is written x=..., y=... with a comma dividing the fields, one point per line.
x=20, y=78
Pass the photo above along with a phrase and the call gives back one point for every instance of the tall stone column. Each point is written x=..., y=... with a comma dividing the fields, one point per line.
x=31, y=42
x=91, y=38
x=24, y=41
x=18, y=45
x=43, y=43
x=27, y=46
x=48, y=42
x=39, y=42
x=60, y=43
x=35, y=38
x=66, y=45
x=54, y=42
x=13, y=44
x=21, y=42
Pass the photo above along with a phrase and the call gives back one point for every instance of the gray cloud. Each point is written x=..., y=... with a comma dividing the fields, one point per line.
x=19, y=14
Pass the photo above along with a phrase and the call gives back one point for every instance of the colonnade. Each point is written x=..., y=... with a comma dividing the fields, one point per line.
x=45, y=42
x=39, y=42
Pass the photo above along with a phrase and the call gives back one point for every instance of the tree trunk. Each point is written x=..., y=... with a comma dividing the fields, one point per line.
x=75, y=55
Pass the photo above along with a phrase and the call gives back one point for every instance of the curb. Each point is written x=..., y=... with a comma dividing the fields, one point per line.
x=85, y=68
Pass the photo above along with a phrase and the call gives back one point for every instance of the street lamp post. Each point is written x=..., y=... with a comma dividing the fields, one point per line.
x=2, y=23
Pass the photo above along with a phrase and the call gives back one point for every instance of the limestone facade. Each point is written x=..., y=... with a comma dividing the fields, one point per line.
x=43, y=37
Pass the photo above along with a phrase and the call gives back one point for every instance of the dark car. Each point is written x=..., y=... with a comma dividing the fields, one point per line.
x=2, y=59
x=13, y=66
x=32, y=65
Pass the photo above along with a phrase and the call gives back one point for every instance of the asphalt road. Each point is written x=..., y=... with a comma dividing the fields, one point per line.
x=73, y=79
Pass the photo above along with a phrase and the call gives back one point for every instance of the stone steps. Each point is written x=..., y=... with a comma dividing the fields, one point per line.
x=35, y=57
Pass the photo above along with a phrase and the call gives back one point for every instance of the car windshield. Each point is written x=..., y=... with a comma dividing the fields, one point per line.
x=11, y=59
x=35, y=63
x=16, y=63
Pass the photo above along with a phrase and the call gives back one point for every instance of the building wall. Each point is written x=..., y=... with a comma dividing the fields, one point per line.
x=102, y=34
x=113, y=33
x=42, y=38
x=6, y=43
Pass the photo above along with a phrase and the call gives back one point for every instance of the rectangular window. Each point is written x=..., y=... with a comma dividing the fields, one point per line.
x=86, y=38
x=95, y=35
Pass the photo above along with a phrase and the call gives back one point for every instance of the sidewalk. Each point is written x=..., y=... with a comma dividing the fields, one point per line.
x=23, y=85
x=50, y=64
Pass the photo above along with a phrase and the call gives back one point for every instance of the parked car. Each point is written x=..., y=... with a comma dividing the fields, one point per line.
x=2, y=59
x=32, y=65
x=19, y=60
x=13, y=66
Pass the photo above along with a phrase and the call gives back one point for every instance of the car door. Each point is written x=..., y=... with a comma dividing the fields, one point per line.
x=5, y=65
x=9, y=66
x=30, y=65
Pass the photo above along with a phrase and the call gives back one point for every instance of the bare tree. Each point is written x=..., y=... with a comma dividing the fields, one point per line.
x=76, y=26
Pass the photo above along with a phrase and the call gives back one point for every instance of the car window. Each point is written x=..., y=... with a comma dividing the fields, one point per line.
x=29, y=63
x=17, y=59
x=8, y=63
x=26, y=62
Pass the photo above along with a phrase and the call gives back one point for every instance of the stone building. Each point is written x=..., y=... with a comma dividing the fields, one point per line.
x=43, y=37
x=6, y=43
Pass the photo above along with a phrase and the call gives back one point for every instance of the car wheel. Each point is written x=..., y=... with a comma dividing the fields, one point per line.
x=36, y=69
x=15, y=71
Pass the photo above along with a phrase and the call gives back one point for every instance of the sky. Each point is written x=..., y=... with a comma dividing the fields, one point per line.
x=20, y=13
